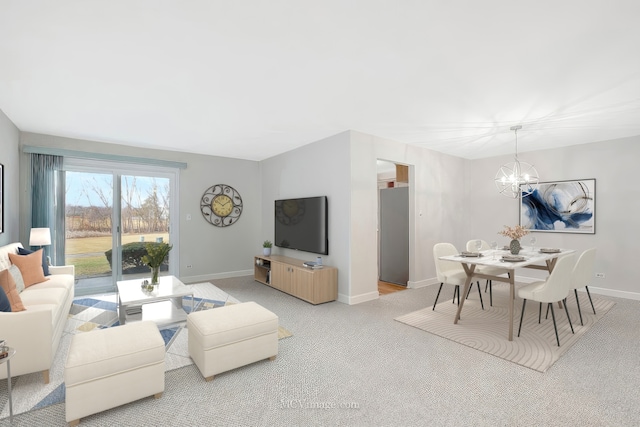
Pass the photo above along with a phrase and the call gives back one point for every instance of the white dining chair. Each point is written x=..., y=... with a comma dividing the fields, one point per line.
x=555, y=288
x=493, y=271
x=581, y=276
x=449, y=272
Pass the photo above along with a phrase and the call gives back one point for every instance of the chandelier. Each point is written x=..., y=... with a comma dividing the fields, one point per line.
x=517, y=178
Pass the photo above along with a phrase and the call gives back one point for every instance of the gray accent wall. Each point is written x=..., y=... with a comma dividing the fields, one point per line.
x=212, y=251
x=614, y=165
x=9, y=157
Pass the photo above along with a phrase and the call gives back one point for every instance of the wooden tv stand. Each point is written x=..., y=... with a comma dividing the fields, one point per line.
x=290, y=276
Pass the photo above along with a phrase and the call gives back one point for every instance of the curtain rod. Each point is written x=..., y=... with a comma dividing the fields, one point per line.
x=30, y=149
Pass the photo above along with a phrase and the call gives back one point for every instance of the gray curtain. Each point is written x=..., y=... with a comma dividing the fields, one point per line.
x=47, y=202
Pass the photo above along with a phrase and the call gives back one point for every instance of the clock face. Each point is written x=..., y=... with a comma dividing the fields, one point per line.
x=221, y=205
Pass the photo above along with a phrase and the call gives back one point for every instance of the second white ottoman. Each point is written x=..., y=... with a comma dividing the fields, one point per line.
x=228, y=337
x=110, y=367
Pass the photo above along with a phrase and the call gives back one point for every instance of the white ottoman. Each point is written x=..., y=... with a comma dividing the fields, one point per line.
x=228, y=337
x=110, y=367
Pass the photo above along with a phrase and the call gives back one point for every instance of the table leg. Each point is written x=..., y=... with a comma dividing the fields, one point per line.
x=512, y=296
x=9, y=390
x=467, y=285
x=122, y=312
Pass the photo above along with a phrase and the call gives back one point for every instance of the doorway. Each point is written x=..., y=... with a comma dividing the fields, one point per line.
x=393, y=226
x=110, y=215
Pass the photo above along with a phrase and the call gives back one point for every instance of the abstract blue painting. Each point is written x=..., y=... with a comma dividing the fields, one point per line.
x=561, y=206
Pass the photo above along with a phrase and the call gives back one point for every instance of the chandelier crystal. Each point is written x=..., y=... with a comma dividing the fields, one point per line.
x=517, y=178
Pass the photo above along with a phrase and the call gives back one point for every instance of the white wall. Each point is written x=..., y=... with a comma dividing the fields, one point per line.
x=614, y=165
x=318, y=169
x=212, y=251
x=436, y=193
x=9, y=157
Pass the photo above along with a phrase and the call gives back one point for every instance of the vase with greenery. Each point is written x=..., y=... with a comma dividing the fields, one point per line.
x=156, y=254
x=515, y=234
x=266, y=248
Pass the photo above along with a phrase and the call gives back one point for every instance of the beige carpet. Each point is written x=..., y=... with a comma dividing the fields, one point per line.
x=487, y=330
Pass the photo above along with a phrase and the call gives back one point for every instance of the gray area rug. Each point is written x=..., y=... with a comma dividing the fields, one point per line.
x=487, y=330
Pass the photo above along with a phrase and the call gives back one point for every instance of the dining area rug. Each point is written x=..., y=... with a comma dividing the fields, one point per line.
x=99, y=312
x=487, y=330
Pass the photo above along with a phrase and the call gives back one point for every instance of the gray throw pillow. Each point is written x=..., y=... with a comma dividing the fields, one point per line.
x=17, y=277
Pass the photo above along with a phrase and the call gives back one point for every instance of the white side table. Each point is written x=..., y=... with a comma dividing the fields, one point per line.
x=7, y=359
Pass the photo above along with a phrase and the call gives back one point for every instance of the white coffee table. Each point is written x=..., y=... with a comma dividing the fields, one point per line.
x=163, y=305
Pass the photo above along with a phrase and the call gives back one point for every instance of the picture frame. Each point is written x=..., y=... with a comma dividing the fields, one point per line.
x=1, y=198
x=560, y=207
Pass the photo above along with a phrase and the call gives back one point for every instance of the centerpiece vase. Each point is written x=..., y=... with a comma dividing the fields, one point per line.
x=154, y=275
x=515, y=247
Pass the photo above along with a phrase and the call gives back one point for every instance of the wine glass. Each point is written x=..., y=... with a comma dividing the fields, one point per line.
x=493, y=245
x=533, y=243
x=478, y=245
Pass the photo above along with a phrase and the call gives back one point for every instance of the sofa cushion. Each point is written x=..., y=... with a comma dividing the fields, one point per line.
x=17, y=277
x=45, y=264
x=5, y=305
x=9, y=288
x=30, y=266
x=65, y=281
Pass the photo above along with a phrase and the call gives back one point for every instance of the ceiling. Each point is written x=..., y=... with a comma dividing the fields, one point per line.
x=251, y=79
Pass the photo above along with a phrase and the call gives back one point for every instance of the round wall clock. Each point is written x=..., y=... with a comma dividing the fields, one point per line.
x=221, y=205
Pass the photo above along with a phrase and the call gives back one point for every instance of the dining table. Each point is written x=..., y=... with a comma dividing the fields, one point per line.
x=541, y=259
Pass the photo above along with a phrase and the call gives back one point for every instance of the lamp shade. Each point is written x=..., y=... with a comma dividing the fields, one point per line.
x=40, y=237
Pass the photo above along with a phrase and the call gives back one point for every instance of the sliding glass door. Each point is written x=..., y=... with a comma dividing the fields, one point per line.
x=111, y=214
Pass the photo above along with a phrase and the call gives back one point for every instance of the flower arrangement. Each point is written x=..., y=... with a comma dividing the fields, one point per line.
x=514, y=233
x=267, y=244
x=156, y=254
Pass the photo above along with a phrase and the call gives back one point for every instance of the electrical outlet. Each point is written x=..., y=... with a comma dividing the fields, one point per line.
x=600, y=275
x=188, y=217
x=189, y=266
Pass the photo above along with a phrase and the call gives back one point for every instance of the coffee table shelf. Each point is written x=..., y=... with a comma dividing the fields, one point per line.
x=163, y=305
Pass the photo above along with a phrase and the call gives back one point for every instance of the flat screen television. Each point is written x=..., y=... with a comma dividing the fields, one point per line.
x=301, y=224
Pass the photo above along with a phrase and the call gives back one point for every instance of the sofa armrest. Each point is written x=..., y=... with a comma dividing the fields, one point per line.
x=30, y=332
x=63, y=269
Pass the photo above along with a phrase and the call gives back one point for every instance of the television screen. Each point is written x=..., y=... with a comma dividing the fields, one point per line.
x=301, y=224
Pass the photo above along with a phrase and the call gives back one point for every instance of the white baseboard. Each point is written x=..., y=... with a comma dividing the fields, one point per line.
x=422, y=283
x=207, y=277
x=370, y=296
x=614, y=293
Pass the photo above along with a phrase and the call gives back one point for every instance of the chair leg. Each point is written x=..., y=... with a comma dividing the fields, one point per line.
x=490, y=293
x=456, y=291
x=469, y=291
x=567, y=310
x=524, y=302
x=578, y=303
x=479, y=293
x=547, y=315
x=590, y=300
x=486, y=285
x=555, y=327
x=434, y=304
x=540, y=313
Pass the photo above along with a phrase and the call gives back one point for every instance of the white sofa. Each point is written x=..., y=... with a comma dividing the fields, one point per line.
x=35, y=332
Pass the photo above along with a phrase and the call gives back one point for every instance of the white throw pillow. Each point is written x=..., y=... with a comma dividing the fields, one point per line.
x=17, y=277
